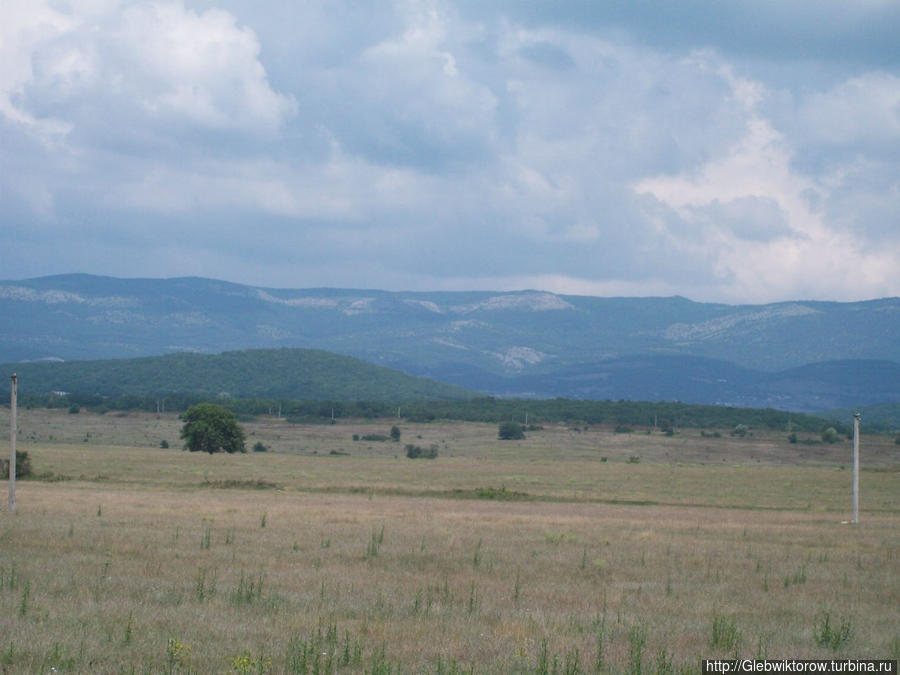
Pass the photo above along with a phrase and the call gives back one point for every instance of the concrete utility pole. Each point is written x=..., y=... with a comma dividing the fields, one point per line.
x=12, y=441
x=856, y=467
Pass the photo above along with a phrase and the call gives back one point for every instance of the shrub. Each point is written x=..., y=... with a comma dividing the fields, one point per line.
x=792, y=437
x=395, y=434
x=380, y=438
x=740, y=430
x=23, y=465
x=830, y=435
x=622, y=429
x=418, y=452
x=164, y=444
x=74, y=409
x=510, y=431
x=259, y=447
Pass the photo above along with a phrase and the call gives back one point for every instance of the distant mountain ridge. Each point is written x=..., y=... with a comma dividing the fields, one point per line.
x=795, y=355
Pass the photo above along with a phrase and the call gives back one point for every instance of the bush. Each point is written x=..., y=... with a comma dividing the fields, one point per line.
x=380, y=438
x=164, y=444
x=792, y=437
x=740, y=430
x=830, y=435
x=74, y=409
x=395, y=434
x=510, y=431
x=23, y=465
x=897, y=440
x=622, y=429
x=259, y=447
x=418, y=452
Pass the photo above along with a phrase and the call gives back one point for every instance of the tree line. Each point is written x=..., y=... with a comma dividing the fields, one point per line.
x=637, y=414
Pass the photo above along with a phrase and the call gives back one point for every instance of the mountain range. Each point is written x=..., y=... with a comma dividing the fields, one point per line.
x=802, y=355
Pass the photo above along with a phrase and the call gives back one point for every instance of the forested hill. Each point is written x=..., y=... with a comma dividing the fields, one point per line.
x=307, y=374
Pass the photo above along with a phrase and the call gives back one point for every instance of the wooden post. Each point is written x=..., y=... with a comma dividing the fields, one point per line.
x=12, y=441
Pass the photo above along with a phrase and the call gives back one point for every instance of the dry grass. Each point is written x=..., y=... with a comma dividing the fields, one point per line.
x=144, y=560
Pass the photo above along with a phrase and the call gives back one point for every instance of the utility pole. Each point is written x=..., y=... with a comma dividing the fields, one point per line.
x=12, y=442
x=856, y=467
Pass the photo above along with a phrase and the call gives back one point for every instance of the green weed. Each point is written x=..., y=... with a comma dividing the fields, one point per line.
x=725, y=634
x=834, y=638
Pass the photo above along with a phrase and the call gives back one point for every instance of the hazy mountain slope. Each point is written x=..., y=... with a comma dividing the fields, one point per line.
x=302, y=374
x=690, y=379
x=515, y=343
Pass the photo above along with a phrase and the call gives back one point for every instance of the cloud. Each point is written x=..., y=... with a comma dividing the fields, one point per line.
x=200, y=67
x=832, y=31
x=417, y=104
x=160, y=65
x=863, y=109
x=793, y=247
x=582, y=147
x=755, y=219
x=547, y=54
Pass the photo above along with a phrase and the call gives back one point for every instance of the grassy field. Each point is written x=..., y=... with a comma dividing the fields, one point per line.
x=575, y=550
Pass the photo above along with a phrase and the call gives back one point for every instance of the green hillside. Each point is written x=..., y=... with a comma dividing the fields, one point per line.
x=880, y=417
x=308, y=374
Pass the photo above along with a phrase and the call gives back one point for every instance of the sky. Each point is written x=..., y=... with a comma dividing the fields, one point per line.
x=739, y=152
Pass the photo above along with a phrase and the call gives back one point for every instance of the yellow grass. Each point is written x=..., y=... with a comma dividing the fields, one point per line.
x=373, y=563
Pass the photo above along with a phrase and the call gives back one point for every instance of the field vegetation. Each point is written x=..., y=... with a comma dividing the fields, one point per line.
x=574, y=550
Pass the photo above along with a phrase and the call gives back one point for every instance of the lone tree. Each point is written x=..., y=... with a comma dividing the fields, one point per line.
x=211, y=428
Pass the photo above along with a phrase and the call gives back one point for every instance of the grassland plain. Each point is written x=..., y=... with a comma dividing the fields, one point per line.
x=532, y=556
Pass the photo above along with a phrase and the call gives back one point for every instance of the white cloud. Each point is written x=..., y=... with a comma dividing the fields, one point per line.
x=794, y=251
x=200, y=66
x=175, y=65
